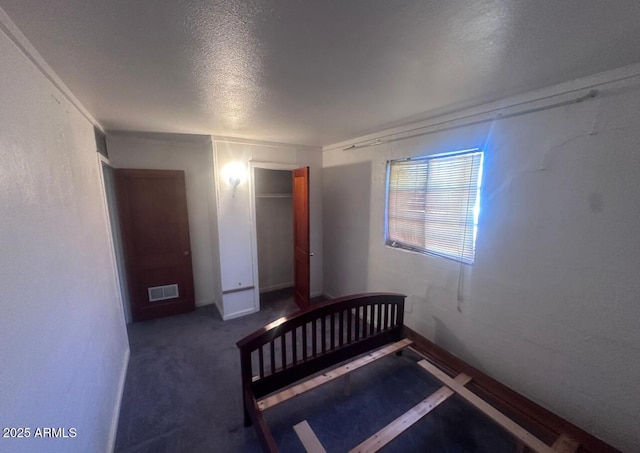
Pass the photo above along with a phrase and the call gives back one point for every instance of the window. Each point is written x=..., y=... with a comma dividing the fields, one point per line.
x=433, y=204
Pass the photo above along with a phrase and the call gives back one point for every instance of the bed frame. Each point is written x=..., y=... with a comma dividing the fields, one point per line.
x=276, y=357
x=310, y=341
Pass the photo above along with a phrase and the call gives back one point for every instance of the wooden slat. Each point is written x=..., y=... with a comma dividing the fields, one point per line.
x=409, y=418
x=365, y=314
x=272, y=352
x=304, y=341
x=314, y=338
x=277, y=398
x=275, y=328
x=294, y=345
x=283, y=349
x=261, y=361
x=323, y=333
x=565, y=444
x=333, y=331
x=308, y=438
x=512, y=427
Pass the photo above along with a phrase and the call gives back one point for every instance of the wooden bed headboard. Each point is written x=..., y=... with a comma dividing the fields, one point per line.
x=309, y=341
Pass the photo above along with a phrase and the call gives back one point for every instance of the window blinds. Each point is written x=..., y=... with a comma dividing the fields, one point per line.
x=433, y=204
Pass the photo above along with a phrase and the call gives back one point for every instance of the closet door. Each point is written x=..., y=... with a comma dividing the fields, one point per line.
x=301, y=252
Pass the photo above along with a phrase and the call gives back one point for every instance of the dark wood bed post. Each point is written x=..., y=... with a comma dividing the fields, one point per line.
x=245, y=371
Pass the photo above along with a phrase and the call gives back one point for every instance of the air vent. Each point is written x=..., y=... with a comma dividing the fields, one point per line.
x=158, y=293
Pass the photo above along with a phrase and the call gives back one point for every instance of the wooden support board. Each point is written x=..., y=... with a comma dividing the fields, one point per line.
x=308, y=438
x=409, y=418
x=317, y=381
x=512, y=427
x=565, y=444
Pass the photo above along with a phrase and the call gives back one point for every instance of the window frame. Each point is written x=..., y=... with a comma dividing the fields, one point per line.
x=395, y=244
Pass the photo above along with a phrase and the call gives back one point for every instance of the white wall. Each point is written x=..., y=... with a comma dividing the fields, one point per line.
x=63, y=343
x=551, y=305
x=235, y=222
x=193, y=155
x=274, y=225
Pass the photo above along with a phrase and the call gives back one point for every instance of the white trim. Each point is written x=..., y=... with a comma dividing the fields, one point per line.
x=213, y=202
x=112, y=248
x=21, y=42
x=160, y=138
x=240, y=313
x=276, y=287
x=219, y=308
x=254, y=239
x=544, y=94
x=214, y=226
x=115, y=418
x=327, y=295
x=317, y=294
x=273, y=165
x=246, y=141
x=104, y=159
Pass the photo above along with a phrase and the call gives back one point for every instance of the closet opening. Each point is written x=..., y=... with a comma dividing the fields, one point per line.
x=274, y=233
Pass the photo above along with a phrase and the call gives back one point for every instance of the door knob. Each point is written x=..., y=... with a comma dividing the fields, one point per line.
x=311, y=254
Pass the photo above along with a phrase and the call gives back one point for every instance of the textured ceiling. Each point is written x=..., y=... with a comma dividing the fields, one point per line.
x=315, y=72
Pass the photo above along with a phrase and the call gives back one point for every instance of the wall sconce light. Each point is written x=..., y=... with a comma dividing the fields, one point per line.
x=235, y=173
x=235, y=182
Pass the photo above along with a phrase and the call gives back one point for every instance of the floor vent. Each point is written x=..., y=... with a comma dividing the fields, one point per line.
x=157, y=293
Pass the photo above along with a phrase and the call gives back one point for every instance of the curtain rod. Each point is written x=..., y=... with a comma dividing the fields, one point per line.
x=499, y=116
x=593, y=92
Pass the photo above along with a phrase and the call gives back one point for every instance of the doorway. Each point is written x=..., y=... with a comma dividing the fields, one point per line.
x=274, y=228
x=152, y=206
x=280, y=233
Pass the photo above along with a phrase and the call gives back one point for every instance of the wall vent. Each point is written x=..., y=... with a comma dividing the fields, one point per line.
x=158, y=293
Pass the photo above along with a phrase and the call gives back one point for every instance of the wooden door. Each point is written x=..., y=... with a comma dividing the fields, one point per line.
x=155, y=231
x=301, y=251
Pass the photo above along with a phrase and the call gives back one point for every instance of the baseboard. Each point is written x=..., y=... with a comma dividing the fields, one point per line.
x=327, y=295
x=218, y=305
x=116, y=412
x=265, y=289
x=240, y=313
x=316, y=294
x=202, y=303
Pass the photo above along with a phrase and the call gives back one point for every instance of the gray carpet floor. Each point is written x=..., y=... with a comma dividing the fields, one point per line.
x=182, y=394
